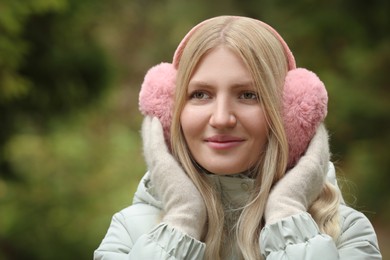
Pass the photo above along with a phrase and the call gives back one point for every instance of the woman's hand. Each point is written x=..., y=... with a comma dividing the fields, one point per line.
x=301, y=185
x=183, y=205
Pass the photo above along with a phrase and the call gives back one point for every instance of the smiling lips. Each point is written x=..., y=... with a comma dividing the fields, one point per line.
x=221, y=142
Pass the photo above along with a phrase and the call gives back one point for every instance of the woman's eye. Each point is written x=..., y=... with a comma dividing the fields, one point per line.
x=199, y=95
x=248, y=95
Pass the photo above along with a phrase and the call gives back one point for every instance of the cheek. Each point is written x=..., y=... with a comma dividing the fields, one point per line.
x=257, y=126
x=190, y=121
x=262, y=128
x=185, y=123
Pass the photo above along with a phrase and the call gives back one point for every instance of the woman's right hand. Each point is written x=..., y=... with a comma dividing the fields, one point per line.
x=183, y=204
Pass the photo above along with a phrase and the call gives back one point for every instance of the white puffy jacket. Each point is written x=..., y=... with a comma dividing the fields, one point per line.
x=136, y=232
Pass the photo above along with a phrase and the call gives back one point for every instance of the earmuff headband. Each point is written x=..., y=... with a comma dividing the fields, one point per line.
x=183, y=43
x=304, y=96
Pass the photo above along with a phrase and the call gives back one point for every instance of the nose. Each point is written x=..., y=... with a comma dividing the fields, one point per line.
x=223, y=115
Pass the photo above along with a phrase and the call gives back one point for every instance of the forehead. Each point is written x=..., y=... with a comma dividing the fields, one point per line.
x=221, y=62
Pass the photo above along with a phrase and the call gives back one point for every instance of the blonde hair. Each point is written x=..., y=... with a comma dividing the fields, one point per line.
x=264, y=56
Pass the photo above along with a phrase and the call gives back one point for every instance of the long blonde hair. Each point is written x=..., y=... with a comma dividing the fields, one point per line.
x=264, y=56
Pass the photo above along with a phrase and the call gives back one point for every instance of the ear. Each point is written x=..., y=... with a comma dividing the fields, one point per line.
x=305, y=103
x=157, y=93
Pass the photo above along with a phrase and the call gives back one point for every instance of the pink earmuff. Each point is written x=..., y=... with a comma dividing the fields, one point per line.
x=304, y=97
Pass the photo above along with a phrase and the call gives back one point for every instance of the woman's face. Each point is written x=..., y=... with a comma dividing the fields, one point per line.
x=223, y=122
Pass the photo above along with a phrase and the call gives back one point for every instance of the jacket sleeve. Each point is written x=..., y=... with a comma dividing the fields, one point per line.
x=358, y=239
x=164, y=242
x=127, y=240
x=298, y=237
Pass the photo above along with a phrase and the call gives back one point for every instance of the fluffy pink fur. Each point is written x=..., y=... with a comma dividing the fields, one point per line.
x=304, y=107
x=156, y=95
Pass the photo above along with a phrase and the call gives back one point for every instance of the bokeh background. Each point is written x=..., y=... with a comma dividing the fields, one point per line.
x=70, y=73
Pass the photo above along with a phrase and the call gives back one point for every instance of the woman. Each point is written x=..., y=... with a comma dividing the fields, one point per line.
x=238, y=161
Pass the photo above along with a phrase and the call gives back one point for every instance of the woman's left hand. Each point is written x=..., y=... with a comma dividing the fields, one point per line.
x=301, y=185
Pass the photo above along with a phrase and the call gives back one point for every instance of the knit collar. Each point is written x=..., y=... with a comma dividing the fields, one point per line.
x=234, y=190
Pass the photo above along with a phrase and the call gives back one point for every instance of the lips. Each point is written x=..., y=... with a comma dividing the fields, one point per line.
x=223, y=139
x=221, y=142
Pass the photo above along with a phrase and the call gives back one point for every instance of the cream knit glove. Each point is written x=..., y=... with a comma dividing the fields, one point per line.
x=301, y=185
x=183, y=205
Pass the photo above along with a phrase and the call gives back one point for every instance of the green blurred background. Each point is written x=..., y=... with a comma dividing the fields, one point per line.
x=70, y=73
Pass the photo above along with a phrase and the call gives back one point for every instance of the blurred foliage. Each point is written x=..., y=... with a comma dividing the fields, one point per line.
x=70, y=71
x=50, y=64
